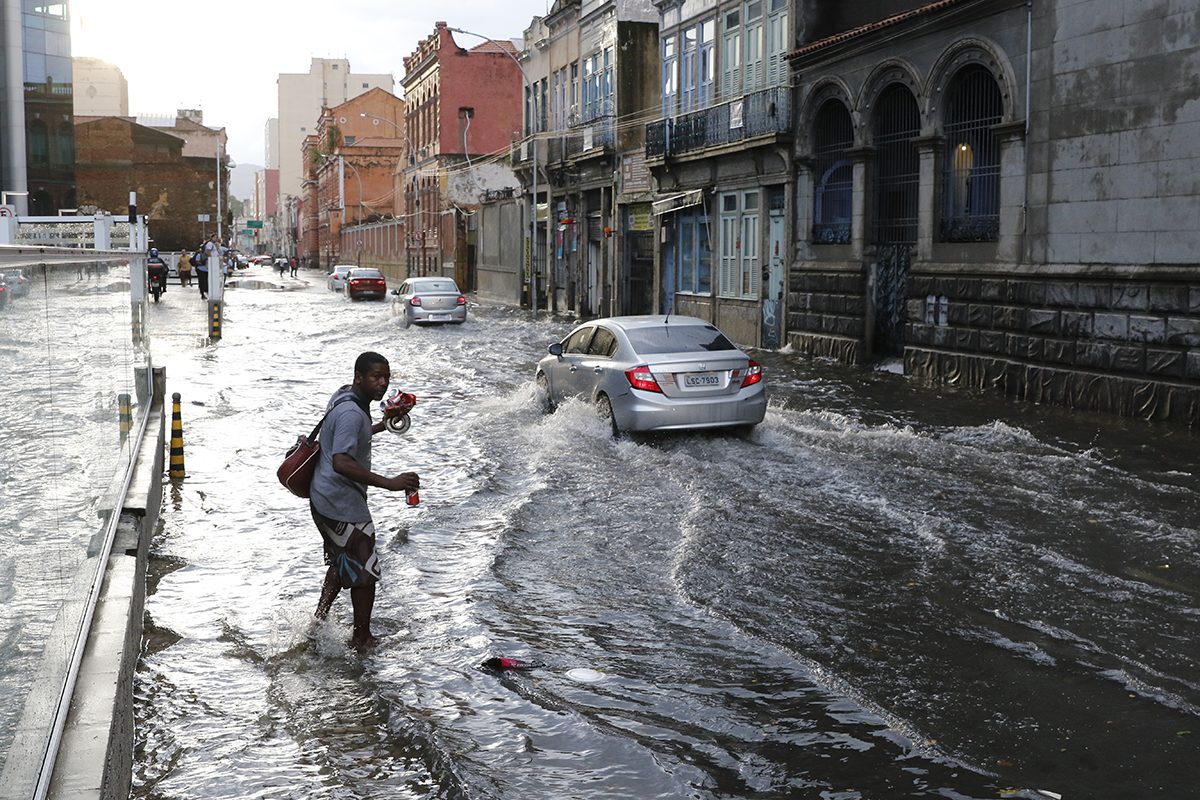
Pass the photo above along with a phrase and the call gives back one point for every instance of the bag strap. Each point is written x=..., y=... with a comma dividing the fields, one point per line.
x=313, y=436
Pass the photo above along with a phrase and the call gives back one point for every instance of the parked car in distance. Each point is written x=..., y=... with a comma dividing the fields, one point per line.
x=366, y=283
x=421, y=300
x=655, y=373
x=337, y=277
x=16, y=282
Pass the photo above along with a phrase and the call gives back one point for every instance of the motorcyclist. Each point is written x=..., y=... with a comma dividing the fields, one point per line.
x=156, y=269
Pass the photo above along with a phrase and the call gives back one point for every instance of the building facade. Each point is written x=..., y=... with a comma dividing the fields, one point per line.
x=463, y=110
x=301, y=97
x=100, y=89
x=115, y=156
x=592, y=70
x=721, y=156
x=1004, y=195
x=37, y=145
x=352, y=160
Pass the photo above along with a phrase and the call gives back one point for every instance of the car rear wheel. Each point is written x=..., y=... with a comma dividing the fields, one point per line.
x=605, y=411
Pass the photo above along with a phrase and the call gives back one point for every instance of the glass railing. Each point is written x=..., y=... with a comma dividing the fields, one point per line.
x=75, y=394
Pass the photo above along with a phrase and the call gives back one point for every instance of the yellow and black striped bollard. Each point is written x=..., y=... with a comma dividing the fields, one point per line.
x=176, y=470
x=124, y=415
x=214, y=330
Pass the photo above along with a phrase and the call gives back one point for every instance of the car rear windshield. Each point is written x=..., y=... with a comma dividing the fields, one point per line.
x=365, y=273
x=678, y=339
x=435, y=286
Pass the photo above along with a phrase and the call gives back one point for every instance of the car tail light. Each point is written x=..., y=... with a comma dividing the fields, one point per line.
x=462, y=301
x=642, y=378
x=414, y=301
x=753, y=374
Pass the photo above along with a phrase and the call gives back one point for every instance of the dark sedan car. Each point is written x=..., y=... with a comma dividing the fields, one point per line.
x=364, y=283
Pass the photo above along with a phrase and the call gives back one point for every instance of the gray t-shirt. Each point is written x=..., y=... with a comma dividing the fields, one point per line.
x=347, y=430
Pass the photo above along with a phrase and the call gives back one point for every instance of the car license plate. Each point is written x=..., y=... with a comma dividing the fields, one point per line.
x=700, y=380
x=439, y=317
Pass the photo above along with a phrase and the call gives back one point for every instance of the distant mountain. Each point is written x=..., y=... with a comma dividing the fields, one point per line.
x=241, y=182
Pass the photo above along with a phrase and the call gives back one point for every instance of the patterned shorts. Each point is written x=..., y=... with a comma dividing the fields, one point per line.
x=350, y=547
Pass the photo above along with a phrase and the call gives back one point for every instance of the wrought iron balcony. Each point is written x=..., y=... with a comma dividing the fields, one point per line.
x=594, y=137
x=758, y=114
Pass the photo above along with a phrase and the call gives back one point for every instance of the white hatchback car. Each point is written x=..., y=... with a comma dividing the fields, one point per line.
x=337, y=278
x=655, y=373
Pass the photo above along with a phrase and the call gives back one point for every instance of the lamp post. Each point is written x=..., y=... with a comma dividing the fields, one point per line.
x=533, y=301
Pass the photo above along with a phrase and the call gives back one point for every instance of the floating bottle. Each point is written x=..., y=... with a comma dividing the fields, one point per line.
x=503, y=663
x=412, y=497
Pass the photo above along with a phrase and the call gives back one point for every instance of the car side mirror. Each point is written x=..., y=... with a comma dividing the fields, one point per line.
x=556, y=349
x=396, y=292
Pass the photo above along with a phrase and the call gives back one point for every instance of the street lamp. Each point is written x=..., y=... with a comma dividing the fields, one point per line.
x=534, y=169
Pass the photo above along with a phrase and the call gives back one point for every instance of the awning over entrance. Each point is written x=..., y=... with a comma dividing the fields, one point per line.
x=677, y=201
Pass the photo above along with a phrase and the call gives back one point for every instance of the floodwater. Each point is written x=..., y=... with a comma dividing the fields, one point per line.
x=885, y=591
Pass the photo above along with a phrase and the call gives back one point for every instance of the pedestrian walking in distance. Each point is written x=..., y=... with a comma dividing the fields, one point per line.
x=338, y=497
x=184, y=266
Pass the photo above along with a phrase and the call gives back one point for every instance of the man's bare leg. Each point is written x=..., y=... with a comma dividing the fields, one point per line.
x=329, y=592
x=363, y=600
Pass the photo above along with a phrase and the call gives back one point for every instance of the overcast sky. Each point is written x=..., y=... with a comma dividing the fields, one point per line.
x=223, y=55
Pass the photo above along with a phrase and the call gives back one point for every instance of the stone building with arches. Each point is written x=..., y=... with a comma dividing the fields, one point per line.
x=1004, y=194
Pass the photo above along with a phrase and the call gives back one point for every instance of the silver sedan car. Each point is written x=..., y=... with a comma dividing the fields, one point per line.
x=430, y=299
x=336, y=282
x=655, y=373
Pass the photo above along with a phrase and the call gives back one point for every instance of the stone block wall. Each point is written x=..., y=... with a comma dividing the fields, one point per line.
x=1138, y=335
x=827, y=313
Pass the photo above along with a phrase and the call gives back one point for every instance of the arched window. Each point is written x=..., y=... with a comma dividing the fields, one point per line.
x=896, y=124
x=39, y=142
x=833, y=174
x=971, y=170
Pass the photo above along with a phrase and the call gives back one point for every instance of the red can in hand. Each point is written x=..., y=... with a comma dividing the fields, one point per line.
x=412, y=497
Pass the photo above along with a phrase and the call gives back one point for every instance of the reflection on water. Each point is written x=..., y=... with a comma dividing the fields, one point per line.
x=883, y=592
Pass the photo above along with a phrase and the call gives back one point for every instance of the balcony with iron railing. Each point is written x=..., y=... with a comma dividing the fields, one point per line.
x=753, y=116
x=594, y=137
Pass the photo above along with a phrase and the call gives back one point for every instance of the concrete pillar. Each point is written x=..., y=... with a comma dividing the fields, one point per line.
x=928, y=150
x=802, y=234
x=1011, y=246
x=859, y=220
x=12, y=130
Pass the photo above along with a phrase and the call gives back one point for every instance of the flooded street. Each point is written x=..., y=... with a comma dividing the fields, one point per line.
x=886, y=591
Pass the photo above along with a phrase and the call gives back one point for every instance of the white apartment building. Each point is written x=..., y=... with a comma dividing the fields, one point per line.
x=100, y=89
x=327, y=83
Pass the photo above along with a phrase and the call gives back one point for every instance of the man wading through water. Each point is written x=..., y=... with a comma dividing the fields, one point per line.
x=338, y=498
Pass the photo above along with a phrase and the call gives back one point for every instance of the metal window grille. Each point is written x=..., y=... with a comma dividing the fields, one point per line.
x=833, y=174
x=897, y=166
x=971, y=172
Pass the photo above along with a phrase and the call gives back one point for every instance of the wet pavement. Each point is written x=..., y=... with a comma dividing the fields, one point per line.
x=886, y=591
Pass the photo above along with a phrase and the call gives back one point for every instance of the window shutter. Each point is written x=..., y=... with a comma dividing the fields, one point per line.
x=777, y=37
x=731, y=60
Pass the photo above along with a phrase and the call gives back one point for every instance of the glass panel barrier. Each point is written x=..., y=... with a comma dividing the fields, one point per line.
x=75, y=392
